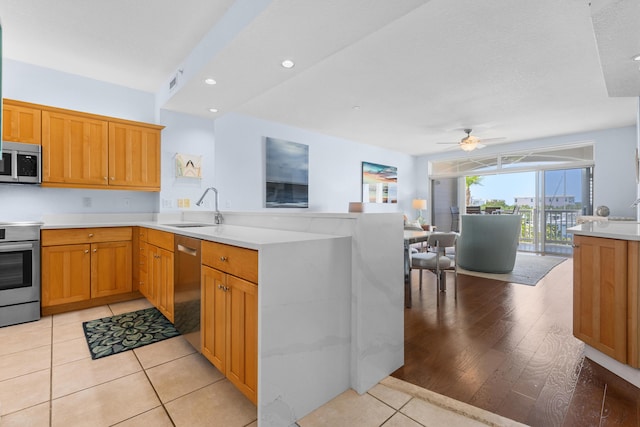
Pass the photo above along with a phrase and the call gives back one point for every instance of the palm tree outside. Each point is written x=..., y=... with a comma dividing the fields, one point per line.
x=469, y=181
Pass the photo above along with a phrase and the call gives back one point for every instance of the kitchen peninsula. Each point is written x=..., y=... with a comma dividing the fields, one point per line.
x=606, y=294
x=330, y=298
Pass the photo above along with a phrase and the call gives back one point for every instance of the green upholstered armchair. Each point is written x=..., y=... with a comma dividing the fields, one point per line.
x=488, y=243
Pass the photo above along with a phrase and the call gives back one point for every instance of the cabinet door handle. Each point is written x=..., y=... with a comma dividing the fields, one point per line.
x=223, y=258
x=90, y=234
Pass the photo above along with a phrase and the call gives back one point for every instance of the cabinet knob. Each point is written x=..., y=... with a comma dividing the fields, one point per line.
x=223, y=258
x=113, y=178
x=105, y=178
x=90, y=234
x=95, y=250
x=86, y=251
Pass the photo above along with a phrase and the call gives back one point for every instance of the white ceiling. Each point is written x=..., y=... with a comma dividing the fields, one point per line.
x=402, y=74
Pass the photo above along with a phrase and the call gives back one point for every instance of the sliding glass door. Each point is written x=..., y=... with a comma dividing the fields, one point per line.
x=567, y=195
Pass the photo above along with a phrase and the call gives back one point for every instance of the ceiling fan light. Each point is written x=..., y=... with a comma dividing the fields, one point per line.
x=469, y=145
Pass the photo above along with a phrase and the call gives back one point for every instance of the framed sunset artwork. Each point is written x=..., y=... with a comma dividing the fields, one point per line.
x=379, y=183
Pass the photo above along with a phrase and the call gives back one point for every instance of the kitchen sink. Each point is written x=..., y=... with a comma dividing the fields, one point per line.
x=189, y=225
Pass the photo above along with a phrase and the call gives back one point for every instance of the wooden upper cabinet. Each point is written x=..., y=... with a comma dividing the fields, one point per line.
x=20, y=122
x=83, y=150
x=74, y=149
x=134, y=156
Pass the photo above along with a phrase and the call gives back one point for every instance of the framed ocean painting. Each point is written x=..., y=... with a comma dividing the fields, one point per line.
x=287, y=174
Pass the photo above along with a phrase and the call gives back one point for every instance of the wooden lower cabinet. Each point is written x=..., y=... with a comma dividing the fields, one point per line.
x=80, y=265
x=66, y=274
x=230, y=319
x=603, y=311
x=110, y=268
x=156, y=268
x=160, y=278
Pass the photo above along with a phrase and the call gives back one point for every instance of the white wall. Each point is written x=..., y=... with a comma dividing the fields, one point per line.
x=30, y=83
x=186, y=134
x=335, y=166
x=39, y=85
x=614, y=171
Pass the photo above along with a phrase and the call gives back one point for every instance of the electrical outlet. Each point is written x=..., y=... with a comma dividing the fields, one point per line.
x=87, y=202
x=186, y=203
x=181, y=203
x=126, y=203
x=166, y=203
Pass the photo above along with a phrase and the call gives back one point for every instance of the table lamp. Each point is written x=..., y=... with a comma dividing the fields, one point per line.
x=419, y=204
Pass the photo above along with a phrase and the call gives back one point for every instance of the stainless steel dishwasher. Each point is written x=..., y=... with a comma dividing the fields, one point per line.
x=187, y=289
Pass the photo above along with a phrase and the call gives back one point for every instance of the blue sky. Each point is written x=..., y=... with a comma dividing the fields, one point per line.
x=508, y=186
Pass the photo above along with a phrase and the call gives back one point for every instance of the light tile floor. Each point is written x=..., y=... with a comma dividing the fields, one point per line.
x=47, y=378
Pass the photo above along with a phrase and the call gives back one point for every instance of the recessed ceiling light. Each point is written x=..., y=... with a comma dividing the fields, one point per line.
x=210, y=81
x=356, y=107
x=213, y=110
x=287, y=63
x=636, y=58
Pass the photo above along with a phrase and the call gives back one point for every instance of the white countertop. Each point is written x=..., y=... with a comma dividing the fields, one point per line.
x=623, y=230
x=246, y=237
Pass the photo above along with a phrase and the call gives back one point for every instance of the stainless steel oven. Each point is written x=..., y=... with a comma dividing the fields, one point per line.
x=19, y=273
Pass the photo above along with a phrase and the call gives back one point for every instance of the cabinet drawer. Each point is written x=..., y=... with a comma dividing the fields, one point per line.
x=71, y=236
x=240, y=262
x=161, y=239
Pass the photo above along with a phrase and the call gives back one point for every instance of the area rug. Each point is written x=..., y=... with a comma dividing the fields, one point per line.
x=122, y=332
x=528, y=270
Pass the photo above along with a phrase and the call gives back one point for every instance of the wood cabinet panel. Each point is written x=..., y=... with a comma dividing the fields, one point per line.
x=21, y=123
x=633, y=304
x=85, y=263
x=240, y=262
x=74, y=149
x=69, y=236
x=162, y=239
x=66, y=274
x=156, y=269
x=230, y=314
x=110, y=268
x=134, y=156
x=163, y=281
x=242, y=336
x=214, y=314
x=600, y=294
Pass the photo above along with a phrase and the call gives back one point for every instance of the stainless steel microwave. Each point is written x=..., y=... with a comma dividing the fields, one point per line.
x=20, y=163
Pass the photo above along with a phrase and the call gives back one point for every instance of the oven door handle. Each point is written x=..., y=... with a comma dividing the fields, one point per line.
x=14, y=165
x=9, y=247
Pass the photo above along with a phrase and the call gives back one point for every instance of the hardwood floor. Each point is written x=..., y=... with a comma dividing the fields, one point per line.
x=509, y=348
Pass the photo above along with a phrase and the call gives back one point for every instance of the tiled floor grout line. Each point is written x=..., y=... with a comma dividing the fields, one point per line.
x=51, y=378
x=164, y=408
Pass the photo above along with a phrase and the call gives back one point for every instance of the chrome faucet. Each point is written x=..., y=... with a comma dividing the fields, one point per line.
x=218, y=215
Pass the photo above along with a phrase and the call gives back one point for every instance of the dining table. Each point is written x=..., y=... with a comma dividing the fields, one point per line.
x=411, y=237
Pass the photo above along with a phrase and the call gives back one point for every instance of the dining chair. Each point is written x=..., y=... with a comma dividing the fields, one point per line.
x=437, y=261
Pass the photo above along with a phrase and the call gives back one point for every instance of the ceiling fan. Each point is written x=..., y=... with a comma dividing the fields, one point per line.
x=471, y=142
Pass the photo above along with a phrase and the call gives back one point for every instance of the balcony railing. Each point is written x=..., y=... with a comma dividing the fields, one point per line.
x=556, y=222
